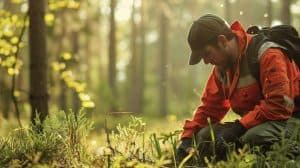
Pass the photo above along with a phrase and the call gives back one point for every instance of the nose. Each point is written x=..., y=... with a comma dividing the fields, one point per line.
x=206, y=60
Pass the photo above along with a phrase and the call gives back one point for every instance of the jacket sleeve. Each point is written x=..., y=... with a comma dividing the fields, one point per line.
x=276, y=89
x=214, y=105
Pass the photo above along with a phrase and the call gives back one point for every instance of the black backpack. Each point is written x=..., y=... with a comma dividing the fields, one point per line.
x=284, y=37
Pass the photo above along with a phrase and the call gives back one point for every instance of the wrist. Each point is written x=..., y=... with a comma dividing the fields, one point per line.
x=186, y=143
x=240, y=126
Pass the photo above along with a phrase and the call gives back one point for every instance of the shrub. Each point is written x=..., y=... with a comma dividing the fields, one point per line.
x=60, y=143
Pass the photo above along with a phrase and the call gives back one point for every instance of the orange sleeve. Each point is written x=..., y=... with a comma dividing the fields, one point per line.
x=214, y=105
x=276, y=88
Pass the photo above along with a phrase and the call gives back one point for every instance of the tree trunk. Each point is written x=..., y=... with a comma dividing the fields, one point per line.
x=75, y=48
x=133, y=64
x=5, y=96
x=63, y=96
x=286, y=12
x=5, y=83
x=142, y=64
x=38, y=60
x=227, y=8
x=112, y=57
x=269, y=12
x=88, y=47
x=61, y=35
x=163, y=64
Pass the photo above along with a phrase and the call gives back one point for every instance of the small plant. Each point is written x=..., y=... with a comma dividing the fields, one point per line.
x=60, y=143
x=128, y=147
x=129, y=141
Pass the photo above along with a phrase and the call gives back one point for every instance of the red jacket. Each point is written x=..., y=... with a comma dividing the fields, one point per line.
x=256, y=103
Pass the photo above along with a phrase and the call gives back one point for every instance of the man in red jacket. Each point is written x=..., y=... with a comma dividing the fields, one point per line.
x=265, y=106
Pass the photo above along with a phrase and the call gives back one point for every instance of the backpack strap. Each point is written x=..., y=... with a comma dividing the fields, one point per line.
x=256, y=48
x=252, y=54
x=284, y=37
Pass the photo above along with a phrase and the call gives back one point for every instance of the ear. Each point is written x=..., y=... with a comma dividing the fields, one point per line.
x=222, y=41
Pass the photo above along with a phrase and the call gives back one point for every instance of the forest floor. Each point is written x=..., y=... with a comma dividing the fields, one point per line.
x=68, y=141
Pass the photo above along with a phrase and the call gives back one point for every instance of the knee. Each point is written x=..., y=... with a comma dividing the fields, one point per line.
x=256, y=137
x=250, y=137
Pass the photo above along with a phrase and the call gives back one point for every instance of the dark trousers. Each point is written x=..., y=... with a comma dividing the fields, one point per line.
x=263, y=135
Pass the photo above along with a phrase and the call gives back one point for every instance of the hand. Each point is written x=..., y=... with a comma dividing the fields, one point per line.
x=183, y=149
x=231, y=133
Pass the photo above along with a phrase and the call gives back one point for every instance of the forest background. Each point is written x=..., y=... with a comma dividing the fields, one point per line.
x=112, y=58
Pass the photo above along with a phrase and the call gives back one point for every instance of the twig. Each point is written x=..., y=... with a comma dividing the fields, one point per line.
x=14, y=98
x=108, y=142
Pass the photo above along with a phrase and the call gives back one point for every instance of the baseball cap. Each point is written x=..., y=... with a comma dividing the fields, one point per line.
x=204, y=30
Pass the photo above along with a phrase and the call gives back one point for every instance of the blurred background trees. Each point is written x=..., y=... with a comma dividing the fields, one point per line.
x=112, y=55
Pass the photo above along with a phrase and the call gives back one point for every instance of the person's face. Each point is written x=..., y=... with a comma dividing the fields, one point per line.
x=217, y=55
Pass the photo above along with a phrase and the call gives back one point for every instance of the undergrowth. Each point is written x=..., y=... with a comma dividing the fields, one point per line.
x=62, y=142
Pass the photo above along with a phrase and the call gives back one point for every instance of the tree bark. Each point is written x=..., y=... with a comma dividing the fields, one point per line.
x=142, y=63
x=286, y=12
x=38, y=60
x=75, y=48
x=133, y=64
x=269, y=12
x=227, y=8
x=5, y=96
x=63, y=98
x=112, y=57
x=163, y=64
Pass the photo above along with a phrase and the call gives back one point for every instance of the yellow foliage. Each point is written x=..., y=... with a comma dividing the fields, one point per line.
x=14, y=49
x=4, y=51
x=80, y=87
x=55, y=66
x=71, y=83
x=16, y=1
x=12, y=71
x=21, y=45
x=61, y=4
x=53, y=6
x=88, y=104
x=14, y=18
x=73, y=5
x=8, y=32
x=62, y=66
x=20, y=23
x=49, y=19
x=66, y=56
x=14, y=40
x=69, y=79
x=66, y=74
x=17, y=93
x=84, y=97
x=56, y=5
x=10, y=61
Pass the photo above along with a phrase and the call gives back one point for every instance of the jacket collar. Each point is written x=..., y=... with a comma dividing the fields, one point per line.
x=243, y=39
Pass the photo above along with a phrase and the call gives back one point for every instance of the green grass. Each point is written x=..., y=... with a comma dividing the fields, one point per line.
x=123, y=142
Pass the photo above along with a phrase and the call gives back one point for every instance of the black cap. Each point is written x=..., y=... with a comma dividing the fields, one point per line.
x=204, y=30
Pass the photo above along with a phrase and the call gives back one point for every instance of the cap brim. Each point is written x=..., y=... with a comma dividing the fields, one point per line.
x=195, y=57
